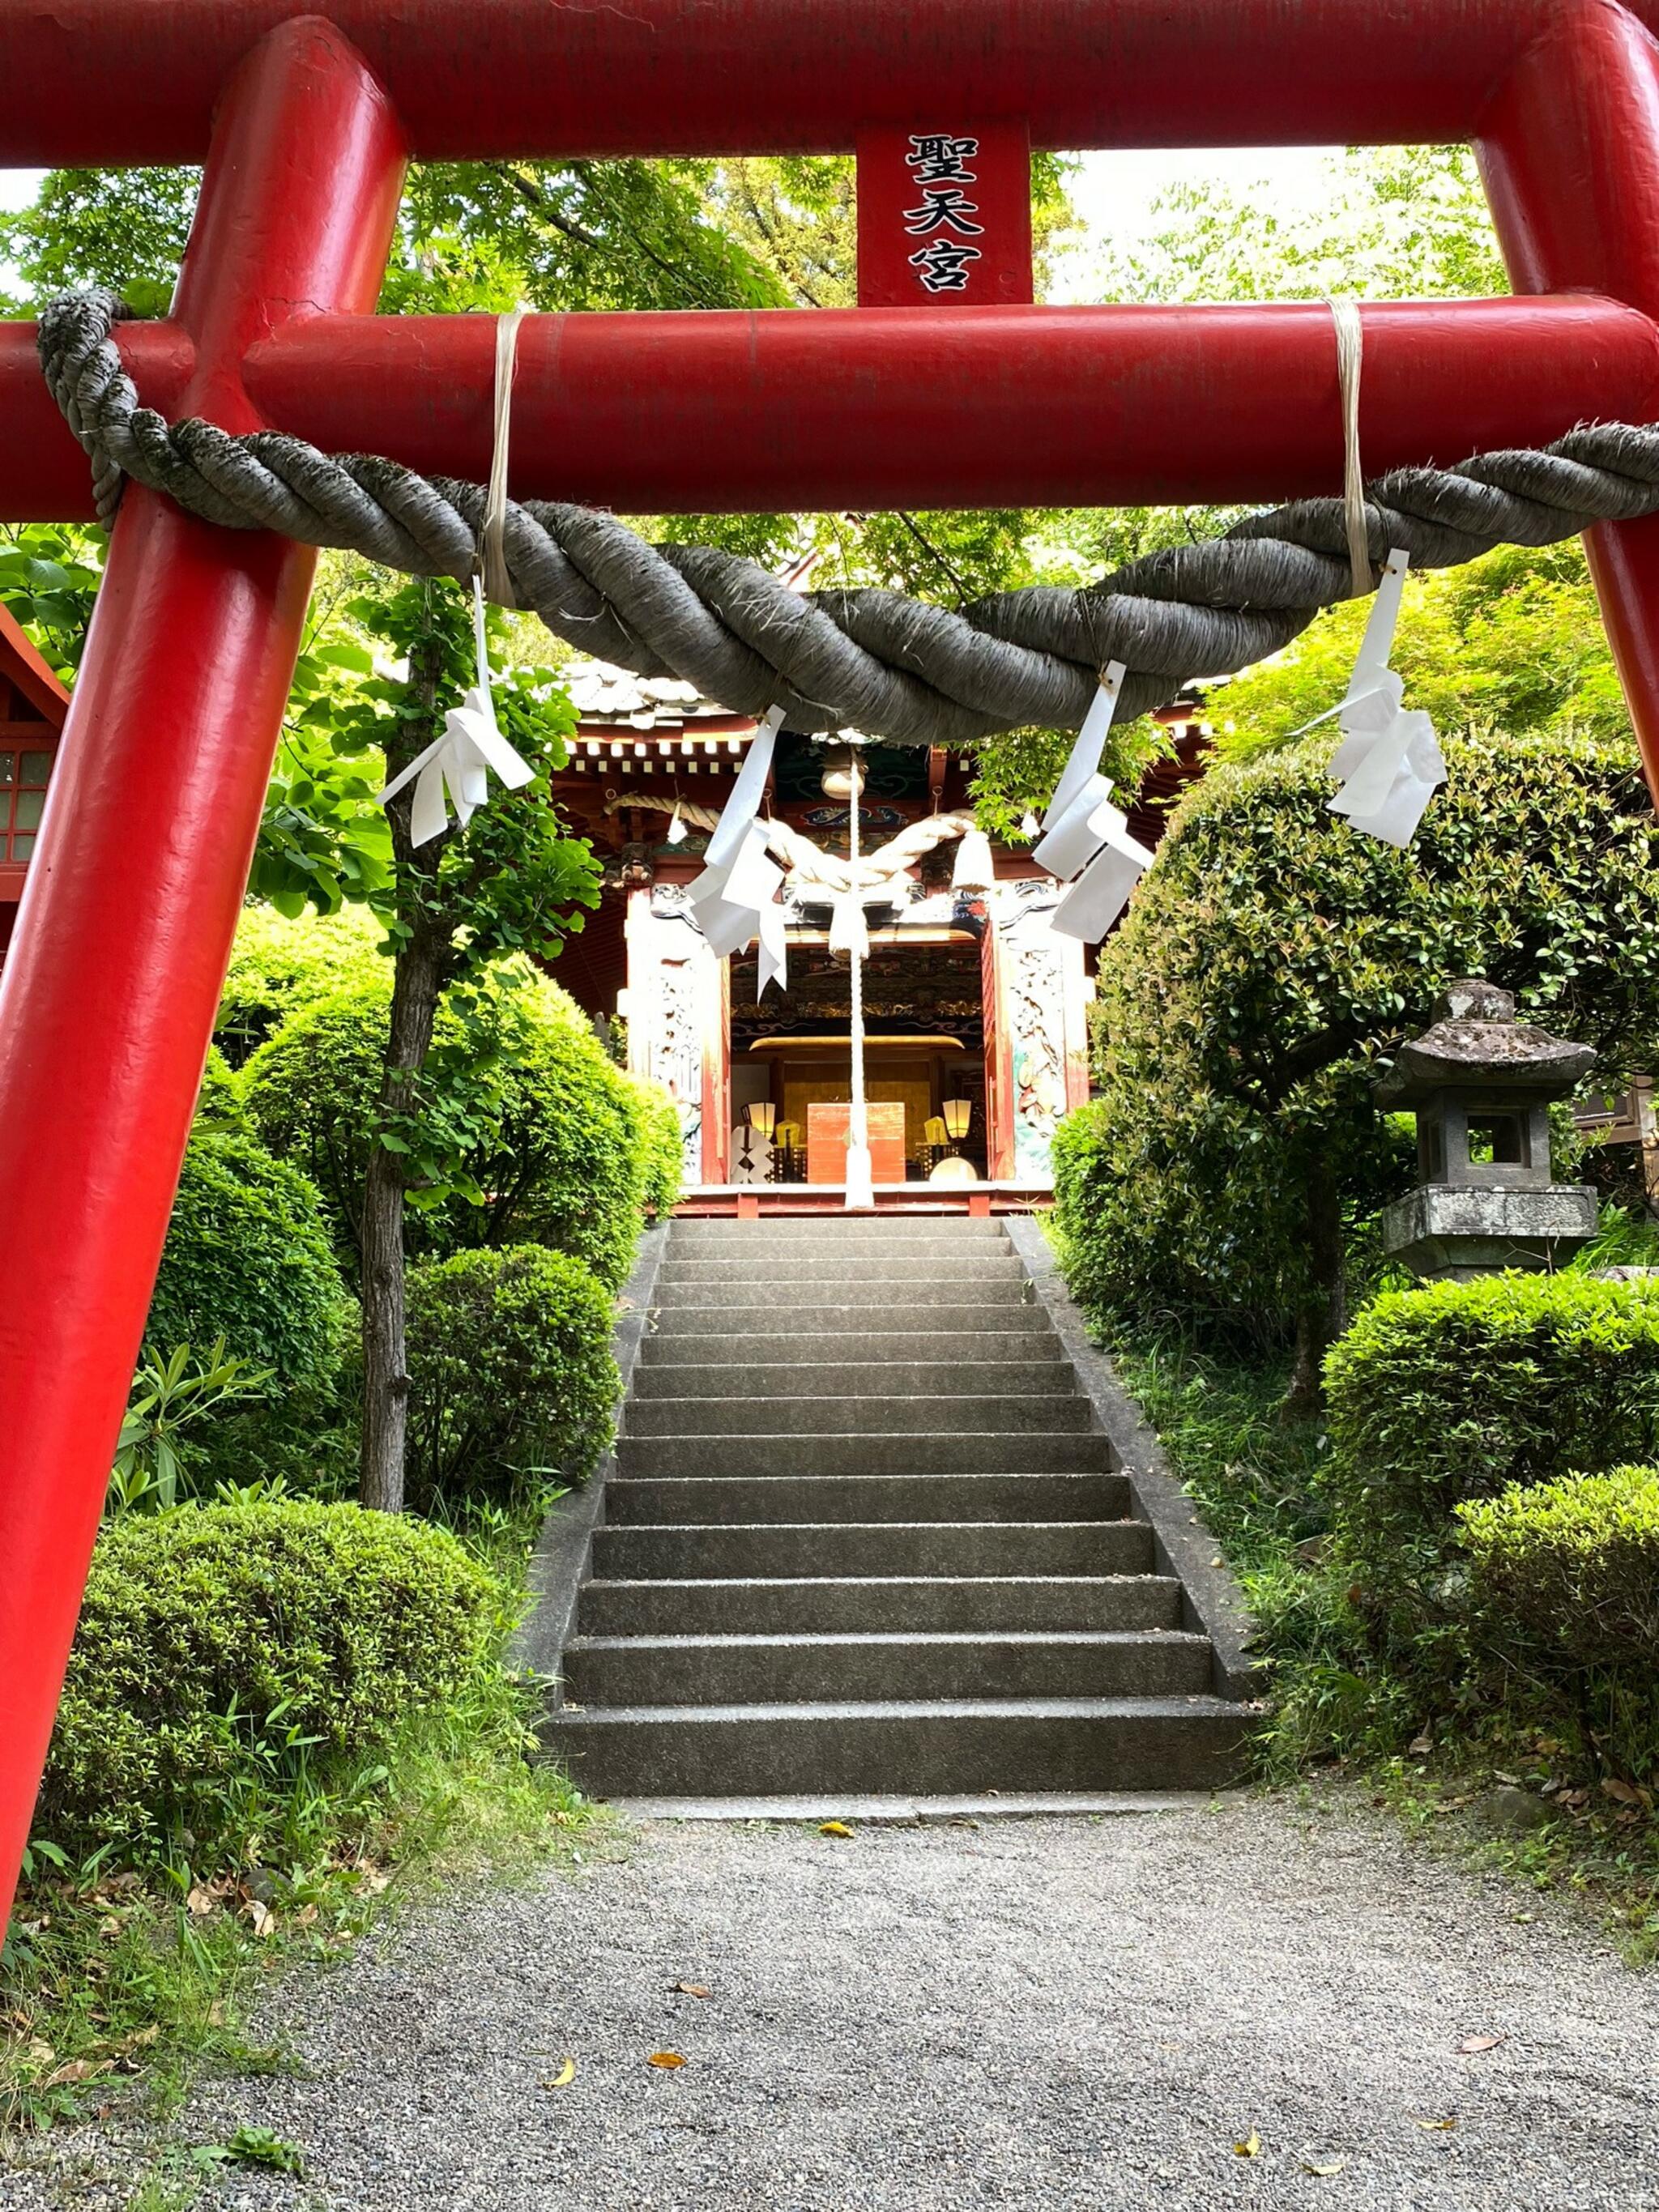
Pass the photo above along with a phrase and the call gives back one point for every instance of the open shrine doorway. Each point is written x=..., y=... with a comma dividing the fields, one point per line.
x=925, y=1056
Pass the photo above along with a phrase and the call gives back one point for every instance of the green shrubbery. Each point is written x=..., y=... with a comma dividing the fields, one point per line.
x=278, y=966
x=512, y=1372
x=248, y=1258
x=542, y=1138
x=1565, y=1608
x=664, y=1148
x=1268, y=966
x=1458, y=1390
x=225, y=1652
x=1570, y=1570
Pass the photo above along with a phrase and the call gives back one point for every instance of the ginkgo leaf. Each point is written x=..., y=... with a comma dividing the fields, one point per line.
x=1435, y=2127
x=692, y=1990
x=564, y=2077
x=1324, y=2168
x=835, y=1828
x=1251, y=2145
x=667, y=2059
x=1471, y=2044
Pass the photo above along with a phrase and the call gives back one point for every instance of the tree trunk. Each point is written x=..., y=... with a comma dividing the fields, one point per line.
x=1321, y=1316
x=417, y=981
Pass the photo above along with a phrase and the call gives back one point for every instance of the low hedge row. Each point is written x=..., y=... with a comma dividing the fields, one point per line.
x=226, y=1651
x=1458, y=1392
x=1564, y=1588
x=513, y=1380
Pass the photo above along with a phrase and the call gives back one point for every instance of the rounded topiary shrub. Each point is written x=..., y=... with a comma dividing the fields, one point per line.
x=248, y=1257
x=513, y=1380
x=1457, y=1391
x=1565, y=1601
x=548, y=1131
x=1569, y=1569
x=224, y=1650
x=278, y=966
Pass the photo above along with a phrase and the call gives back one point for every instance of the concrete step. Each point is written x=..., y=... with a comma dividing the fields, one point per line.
x=855, y=1452
x=839, y=1549
x=867, y=1605
x=1039, y=1413
x=749, y=1500
x=819, y=1231
x=731, y=1670
x=945, y=1324
x=716, y=1350
x=758, y=1379
x=924, y=1748
x=876, y=1244
x=966, y=1266
x=873, y=1298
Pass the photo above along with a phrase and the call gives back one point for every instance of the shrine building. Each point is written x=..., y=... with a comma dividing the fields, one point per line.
x=33, y=705
x=975, y=1008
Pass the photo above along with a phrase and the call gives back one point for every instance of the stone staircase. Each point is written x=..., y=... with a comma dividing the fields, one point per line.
x=864, y=1536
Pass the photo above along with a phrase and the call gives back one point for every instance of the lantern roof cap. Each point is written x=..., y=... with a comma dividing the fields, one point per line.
x=1477, y=1044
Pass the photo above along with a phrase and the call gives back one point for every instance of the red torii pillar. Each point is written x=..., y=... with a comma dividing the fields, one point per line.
x=127, y=916
x=108, y=996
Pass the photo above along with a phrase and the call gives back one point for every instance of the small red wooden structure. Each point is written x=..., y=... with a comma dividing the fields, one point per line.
x=305, y=123
x=33, y=705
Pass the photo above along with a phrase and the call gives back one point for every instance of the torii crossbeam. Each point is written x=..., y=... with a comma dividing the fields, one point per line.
x=305, y=123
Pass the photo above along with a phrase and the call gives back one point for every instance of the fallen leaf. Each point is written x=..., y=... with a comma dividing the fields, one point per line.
x=1324, y=2168
x=1471, y=2044
x=77, y=2070
x=1620, y=1792
x=1434, y=2127
x=1250, y=2147
x=693, y=1990
x=306, y=1917
x=564, y=2077
x=263, y=1919
x=1420, y=1746
x=200, y=1902
x=666, y=2059
x=835, y=1828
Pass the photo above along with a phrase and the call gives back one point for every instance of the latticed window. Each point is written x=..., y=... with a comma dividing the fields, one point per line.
x=23, y=773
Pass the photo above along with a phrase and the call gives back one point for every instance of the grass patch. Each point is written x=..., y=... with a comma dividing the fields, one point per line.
x=122, y=1979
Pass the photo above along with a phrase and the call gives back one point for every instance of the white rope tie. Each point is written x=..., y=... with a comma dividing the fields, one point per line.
x=1350, y=360
x=497, y=583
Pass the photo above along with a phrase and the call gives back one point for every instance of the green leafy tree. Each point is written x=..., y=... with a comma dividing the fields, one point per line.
x=1269, y=966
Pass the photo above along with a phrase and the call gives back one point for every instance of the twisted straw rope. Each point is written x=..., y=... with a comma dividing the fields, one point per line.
x=870, y=660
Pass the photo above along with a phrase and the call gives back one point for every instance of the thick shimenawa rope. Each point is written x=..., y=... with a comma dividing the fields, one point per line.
x=869, y=660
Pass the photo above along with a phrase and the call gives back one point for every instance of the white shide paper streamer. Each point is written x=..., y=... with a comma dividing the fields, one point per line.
x=1086, y=840
x=1389, y=762
x=454, y=770
x=735, y=897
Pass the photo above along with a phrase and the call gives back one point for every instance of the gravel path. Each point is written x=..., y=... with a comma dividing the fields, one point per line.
x=1036, y=2014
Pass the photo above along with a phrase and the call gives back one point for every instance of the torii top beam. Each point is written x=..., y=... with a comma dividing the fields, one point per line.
x=131, y=81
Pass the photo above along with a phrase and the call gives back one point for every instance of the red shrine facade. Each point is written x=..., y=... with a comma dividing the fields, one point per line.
x=33, y=705
x=975, y=1009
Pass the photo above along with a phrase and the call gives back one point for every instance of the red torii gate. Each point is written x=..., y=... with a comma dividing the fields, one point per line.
x=305, y=123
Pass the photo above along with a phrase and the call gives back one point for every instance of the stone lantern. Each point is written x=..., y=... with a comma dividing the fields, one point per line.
x=1480, y=1082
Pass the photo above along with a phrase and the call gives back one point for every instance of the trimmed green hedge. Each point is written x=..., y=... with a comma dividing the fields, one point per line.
x=1571, y=1568
x=1457, y=1391
x=663, y=1143
x=1565, y=1595
x=279, y=966
x=225, y=1651
x=509, y=1357
x=248, y=1258
x=554, y=1135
